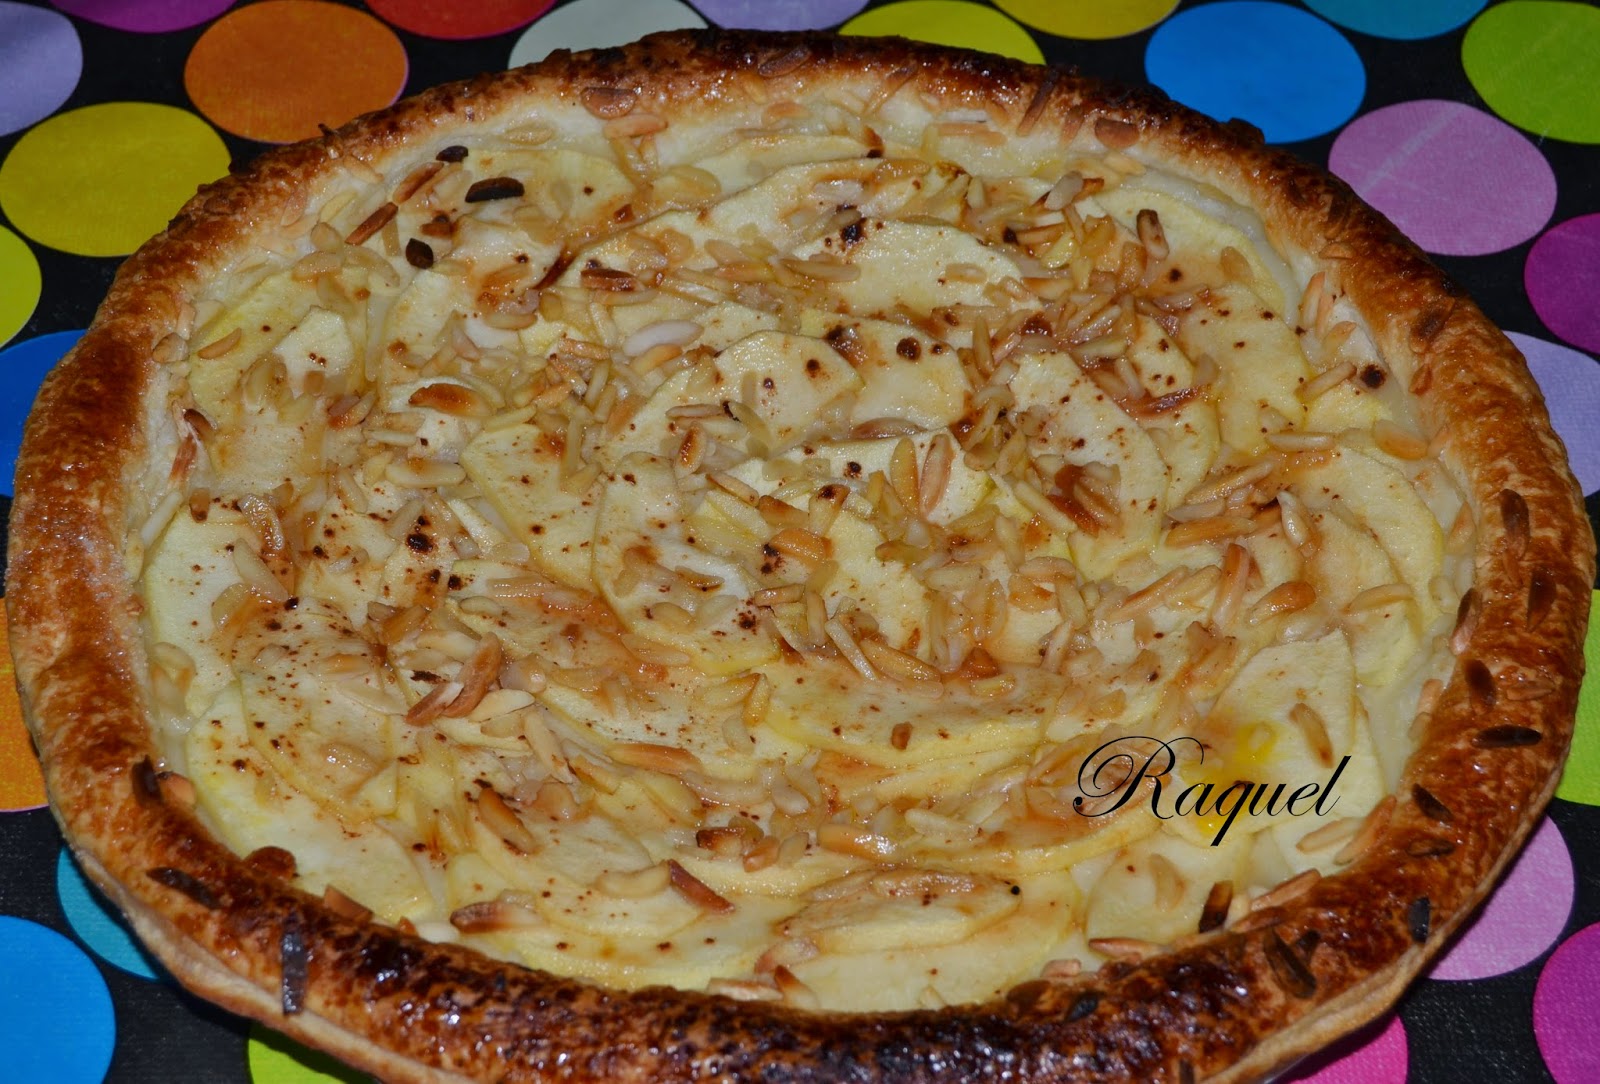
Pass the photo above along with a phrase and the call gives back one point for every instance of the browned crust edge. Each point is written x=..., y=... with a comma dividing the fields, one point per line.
x=408, y=1010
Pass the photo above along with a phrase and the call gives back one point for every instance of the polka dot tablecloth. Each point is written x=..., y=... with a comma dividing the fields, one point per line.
x=1474, y=126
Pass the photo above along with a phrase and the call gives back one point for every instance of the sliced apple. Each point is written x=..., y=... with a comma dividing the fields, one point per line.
x=1155, y=889
x=1348, y=561
x=1382, y=498
x=641, y=508
x=334, y=747
x=363, y=861
x=1260, y=360
x=519, y=469
x=785, y=379
x=1251, y=734
x=906, y=373
x=184, y=572
x=753, y=159
x=263, y=317
x=862, y=717
x=1186, y=434
x=1085, y=425
x=1197, y=233
x=916, y=265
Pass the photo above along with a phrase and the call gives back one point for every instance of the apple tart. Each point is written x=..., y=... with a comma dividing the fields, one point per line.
x=794, y=557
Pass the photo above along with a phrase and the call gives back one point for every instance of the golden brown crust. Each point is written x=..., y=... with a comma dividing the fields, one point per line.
x=1231, y=1006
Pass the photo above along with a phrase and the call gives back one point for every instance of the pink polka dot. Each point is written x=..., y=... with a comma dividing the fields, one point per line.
x=145, y=16
x=1374, y=1055
x=1564, y=1014
x=1563, y=279
x=1523, y=917
x=1570, y=380
x=1455, y=180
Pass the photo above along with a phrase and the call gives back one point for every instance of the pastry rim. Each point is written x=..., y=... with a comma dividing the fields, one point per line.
x=1232, y=1006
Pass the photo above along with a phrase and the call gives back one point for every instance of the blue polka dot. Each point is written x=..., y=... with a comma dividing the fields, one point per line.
x=56, y=1021
x=1283, y=70
x=99, y=927
x=23, y=367
x=1406, y=20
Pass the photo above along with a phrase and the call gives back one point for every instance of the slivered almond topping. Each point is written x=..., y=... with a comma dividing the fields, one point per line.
x=1399, y=443
x=1371, y=827
x=1286, y=892
x=695, y=890
x=221, y=347
x=608, y=103
x=1314, y=729
x=372, y=224
x=801, y=544
x=432, y=706
x=853, y=840
x=503, y=821
x=1376, y=598
x=342, y=905
x=1286, y=598
x=655, y=758
x=1124, y=948
x=476, y=676
x=492, y=916
x=895, y=663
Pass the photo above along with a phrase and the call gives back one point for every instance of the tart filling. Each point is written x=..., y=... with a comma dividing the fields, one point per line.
x=850, y=559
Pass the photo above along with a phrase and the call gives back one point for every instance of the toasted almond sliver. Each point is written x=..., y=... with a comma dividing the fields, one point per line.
x=657, y=758
x=695, y=890
x=503, y=821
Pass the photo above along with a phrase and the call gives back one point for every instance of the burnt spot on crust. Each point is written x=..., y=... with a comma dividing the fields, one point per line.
x=1419, y=919
x=1480, y=682
x=1507, y=737
x=273, y=862
x=1430, y=806
x=146, y=786
x=295, y=959
x=1291, y=971
x=188, y=884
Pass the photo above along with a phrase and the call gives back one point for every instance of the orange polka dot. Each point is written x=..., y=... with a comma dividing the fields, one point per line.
x=21, y=783
x=276, y=70
x=454, y=21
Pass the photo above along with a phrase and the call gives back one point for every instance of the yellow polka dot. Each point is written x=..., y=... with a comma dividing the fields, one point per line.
x=101, y=180
x=21, y=784
x=1094, y=19
x=19, y=284
x=949, y=22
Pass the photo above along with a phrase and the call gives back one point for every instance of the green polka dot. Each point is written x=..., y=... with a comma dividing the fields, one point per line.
x=277, y=1059
x=1536, y=63
x=1581, y=782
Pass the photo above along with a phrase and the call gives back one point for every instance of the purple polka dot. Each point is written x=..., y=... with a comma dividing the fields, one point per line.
x=40, y=62
x=1564, y=1015
x=1376, y=1054
x=1455, y=180
x=1563, y=280
x=779, y=14
x=1524, y=916
x=1570, y=381
x=145, y=16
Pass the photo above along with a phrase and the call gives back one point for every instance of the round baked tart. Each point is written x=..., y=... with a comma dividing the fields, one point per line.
x=794, y=558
